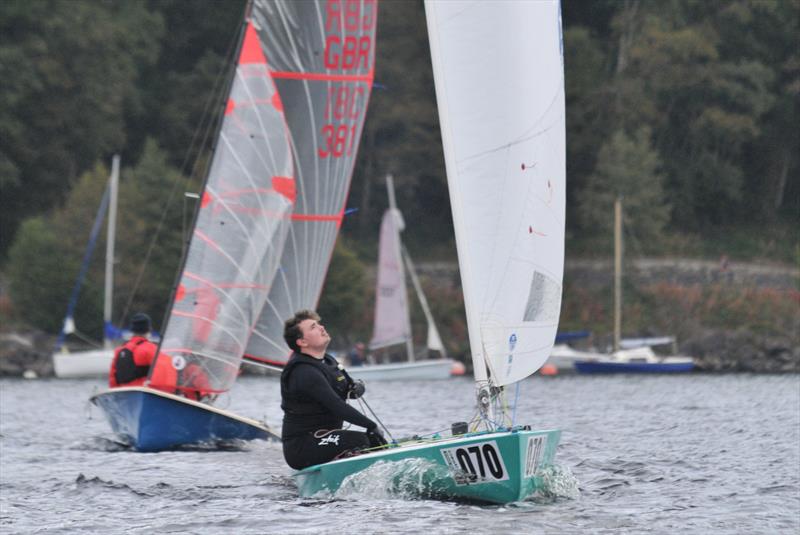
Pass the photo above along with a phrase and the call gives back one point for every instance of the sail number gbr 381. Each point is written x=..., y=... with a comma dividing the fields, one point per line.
x=349, y=31
x=475, y=463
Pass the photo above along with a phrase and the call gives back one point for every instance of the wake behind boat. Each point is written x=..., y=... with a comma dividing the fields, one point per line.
x=499, y=79
x=239, y=231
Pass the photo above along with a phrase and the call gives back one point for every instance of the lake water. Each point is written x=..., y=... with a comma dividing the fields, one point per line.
x=693, y=454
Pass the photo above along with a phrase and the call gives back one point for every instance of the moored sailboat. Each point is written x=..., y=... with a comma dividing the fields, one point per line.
x=392, y=325
x=93, y=362
x=498, y=71
x=239, y=231
x=637, y=355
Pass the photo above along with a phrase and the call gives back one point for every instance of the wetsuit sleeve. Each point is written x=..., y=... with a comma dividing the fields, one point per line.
x=310, y=382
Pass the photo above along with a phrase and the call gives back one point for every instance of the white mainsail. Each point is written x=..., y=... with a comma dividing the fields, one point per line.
x=498, y=70
x=391, y=325
x=322, y=57
x=240, y=229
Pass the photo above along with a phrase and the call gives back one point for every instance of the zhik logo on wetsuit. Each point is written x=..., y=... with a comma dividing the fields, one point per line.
x=330, y=439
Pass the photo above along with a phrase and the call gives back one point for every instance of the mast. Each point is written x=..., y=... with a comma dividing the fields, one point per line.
x=398, y=254
x=617, y=272
x=110, y=238
x=433, y=333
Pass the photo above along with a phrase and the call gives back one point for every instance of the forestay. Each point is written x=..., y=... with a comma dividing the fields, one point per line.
x=322, y=56
x=499, y=79
x=240, y=229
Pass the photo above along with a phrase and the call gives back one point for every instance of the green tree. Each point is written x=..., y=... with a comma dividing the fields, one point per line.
x=401, y=136
x=68, y=71
x=344, y=297
x=41, y=275
x=153, y=222
x=46, y=257
x=627, y=167
x=706, y=105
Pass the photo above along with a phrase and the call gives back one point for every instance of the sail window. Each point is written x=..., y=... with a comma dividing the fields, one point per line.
x=544, y=299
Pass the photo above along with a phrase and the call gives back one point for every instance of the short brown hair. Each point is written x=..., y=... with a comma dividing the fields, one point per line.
x=291, y=328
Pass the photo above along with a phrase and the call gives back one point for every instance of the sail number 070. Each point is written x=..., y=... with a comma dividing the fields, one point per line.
x=479, y=462
x=480, y=454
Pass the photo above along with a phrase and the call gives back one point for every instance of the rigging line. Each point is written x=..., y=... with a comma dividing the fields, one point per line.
x=257, y=364
x=86, y=338
x=207, y=118
x=364, y=401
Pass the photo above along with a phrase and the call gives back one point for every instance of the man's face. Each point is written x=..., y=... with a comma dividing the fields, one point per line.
x=315, y=337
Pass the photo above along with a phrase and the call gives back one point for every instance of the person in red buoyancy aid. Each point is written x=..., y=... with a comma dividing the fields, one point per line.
x=174, y=375
x=132, y=360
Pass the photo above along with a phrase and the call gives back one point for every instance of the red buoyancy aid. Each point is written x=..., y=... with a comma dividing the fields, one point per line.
x=131, y=362
x=193, y=381
x=164, y=376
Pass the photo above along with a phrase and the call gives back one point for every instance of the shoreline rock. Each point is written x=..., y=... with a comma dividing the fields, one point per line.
x=714, y=350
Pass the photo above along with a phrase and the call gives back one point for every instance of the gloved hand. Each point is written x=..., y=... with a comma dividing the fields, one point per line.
x=375, y=438
x=357, y=389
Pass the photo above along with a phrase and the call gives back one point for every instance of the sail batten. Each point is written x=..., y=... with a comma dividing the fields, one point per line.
x=500, y=90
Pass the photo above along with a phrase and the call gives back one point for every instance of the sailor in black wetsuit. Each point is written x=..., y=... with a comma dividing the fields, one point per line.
x=314, y=388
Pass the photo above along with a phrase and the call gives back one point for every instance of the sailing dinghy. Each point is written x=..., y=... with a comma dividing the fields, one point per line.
x=239, y=232
x=94, y=362
x=633, y=355
x=499, y=80
x=392, y=325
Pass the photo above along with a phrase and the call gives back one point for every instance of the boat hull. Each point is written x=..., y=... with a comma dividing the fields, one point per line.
x=493, y=467
x=82, y=364
x=597, y=367
x=151, y=420
x=418, y=370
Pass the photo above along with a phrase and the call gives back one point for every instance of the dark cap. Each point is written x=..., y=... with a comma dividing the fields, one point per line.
x=140, y=323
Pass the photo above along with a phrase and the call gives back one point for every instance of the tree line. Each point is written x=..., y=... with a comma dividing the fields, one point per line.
x=687, y=109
